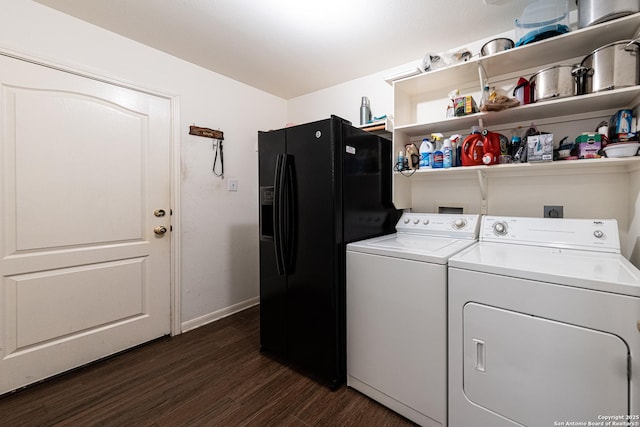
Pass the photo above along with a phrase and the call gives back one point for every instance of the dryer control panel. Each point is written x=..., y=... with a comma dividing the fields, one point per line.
x=590, y=234
x=454, y=225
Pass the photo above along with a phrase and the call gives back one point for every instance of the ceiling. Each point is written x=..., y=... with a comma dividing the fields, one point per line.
x=293, y=47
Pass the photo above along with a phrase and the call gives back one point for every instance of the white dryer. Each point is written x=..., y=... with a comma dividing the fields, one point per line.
x=544, y=326
x=396, y=313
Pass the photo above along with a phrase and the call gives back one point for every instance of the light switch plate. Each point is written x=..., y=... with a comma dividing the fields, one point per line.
x=232, y=185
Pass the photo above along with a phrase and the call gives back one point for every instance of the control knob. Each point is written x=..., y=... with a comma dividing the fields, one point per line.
x=459, y=223
x=500, y=228
x=407, y=220
x=598, y=234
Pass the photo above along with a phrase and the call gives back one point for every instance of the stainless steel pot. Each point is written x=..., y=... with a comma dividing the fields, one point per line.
x=496, y=45
x=612, y=66
x=591, y=12
x=558, y=81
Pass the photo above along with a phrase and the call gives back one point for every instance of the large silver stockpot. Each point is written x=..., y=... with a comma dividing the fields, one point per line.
x=558, y=81
x=612, y=66
x=591, y=12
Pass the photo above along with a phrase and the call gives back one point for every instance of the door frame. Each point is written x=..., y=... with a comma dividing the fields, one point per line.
x=174, y=172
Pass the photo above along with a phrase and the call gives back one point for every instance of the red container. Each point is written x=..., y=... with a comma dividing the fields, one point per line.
x=522, y=92
x=481, y=149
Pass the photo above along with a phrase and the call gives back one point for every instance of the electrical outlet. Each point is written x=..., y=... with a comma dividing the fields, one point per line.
x=553, y=211
x=232, y=185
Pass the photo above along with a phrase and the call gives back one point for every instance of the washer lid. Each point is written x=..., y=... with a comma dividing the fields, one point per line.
x=599, y=271
x=416, y=247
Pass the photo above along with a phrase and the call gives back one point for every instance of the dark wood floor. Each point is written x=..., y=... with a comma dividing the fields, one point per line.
x=211, y=376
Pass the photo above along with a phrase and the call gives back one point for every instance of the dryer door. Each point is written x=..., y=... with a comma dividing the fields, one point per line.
x=536, y=371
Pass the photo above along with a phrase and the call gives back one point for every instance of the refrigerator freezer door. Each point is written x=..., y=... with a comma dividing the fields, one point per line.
x=273, y=285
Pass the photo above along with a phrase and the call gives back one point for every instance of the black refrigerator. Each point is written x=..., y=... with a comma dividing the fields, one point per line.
x=322, y=185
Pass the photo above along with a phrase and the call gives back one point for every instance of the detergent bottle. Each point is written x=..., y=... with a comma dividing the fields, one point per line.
x=426, y=149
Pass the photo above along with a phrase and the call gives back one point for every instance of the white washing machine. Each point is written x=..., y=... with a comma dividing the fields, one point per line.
x=396, y=313
x=544, y=326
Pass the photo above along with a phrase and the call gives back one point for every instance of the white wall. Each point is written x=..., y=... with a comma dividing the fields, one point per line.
x=343, y=100
x=220, y=229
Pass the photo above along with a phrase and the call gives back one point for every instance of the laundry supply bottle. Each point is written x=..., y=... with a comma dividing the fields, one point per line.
x=436, y=159
x=426, y=150
x=455, y=143
x=447, y=155
x=400, y=163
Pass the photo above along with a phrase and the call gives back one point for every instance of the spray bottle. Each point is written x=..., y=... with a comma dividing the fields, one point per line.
x=436, y=159
x=447, y=155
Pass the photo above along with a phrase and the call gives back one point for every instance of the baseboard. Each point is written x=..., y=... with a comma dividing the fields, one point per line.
x=217, y=315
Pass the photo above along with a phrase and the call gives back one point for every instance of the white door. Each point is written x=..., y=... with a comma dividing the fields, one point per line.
x=83, y=166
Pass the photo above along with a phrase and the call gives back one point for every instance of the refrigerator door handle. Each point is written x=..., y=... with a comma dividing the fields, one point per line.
x=278, y=213
x=290, y=213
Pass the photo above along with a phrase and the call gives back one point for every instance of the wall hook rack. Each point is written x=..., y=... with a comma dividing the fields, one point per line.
x=206, y=132
x=217, y=147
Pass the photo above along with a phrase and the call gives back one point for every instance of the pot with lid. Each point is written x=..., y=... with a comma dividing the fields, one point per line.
x=612, y=66
x=558, y=81
x=591, y=12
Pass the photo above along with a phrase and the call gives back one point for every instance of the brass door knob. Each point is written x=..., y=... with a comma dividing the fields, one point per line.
x=160, y=230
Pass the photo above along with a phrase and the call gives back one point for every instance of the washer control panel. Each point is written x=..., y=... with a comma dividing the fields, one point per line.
x=594, y=234
x=460, y=226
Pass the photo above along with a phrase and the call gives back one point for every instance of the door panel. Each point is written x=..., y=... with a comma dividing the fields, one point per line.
x=55, y=155
x=102, y=294
x=84, y=164
x=536, y=371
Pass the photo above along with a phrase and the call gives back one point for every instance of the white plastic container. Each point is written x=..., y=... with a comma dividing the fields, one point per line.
x=622, y=149
x=426, y=150
x=542, y=19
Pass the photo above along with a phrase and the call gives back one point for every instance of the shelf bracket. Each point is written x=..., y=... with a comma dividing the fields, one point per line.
x=482, y=76
x=482, y=182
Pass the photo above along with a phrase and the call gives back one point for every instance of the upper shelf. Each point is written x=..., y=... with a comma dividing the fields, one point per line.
x=606, y=100
x=577, y=43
